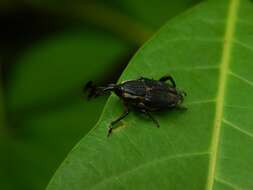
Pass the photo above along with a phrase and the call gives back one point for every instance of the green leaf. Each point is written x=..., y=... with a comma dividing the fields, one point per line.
x=154, y=13
x=208, y=50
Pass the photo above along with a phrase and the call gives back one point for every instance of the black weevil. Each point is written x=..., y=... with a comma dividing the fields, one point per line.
x=143, y=95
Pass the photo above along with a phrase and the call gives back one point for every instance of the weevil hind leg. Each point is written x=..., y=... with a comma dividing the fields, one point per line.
x=166, y=78
x=142, y=78
x=153, y=119
x=181, y=108
x=150, y=116
x=122, y=116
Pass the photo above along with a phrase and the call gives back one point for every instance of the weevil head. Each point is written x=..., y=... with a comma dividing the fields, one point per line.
x=119, y=90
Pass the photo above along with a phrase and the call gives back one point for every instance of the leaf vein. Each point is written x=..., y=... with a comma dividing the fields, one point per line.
x=194, y=68
x=201, y=102
x=197, y=39
x=237, y=128
x=239, y=107
x=242, y=44
x=241, y=78
x=135, y=146
x=146, y=164
x=228, y=184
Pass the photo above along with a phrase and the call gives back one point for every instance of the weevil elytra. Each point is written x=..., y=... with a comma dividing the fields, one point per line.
x=143, y=95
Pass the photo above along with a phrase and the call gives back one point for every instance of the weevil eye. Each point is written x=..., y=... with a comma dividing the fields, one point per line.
x=119, y=88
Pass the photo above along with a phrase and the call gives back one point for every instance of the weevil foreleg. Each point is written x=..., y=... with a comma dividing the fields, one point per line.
x=168, y=77
x=122, y=116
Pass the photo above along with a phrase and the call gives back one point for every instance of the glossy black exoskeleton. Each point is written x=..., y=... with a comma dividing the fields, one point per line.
x=143, y=95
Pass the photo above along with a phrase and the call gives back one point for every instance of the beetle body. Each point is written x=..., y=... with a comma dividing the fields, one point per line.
x=149, y=95
x=144, y=95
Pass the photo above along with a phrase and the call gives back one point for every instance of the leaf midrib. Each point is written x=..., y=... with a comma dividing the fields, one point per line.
x=224, y=68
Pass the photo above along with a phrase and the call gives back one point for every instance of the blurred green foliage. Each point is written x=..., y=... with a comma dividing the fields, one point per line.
x=48, y=112
x=47, y=57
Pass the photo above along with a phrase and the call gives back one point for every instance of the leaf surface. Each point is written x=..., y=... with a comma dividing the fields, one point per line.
x=154, y=13
x=208, y=50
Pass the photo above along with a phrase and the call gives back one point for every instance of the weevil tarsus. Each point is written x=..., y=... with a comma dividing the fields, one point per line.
x=122, y=116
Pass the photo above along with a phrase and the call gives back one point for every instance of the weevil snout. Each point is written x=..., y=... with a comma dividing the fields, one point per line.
x=109, y=87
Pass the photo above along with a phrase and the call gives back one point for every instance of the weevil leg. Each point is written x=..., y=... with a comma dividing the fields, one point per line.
x=122, y=116
x=181, y=108
x=168, y=77
x=151, y=117
x=142, y=78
